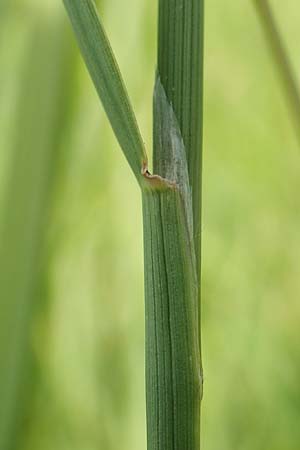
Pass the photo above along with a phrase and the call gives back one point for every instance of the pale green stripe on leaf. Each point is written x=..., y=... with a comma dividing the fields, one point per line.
x=106, y=76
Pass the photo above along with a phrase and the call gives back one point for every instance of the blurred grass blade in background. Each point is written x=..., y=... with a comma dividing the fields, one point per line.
x=107, y=79
x=41, y=107
x=282, y=61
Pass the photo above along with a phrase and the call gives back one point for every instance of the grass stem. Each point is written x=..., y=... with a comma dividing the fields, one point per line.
x=171, y=207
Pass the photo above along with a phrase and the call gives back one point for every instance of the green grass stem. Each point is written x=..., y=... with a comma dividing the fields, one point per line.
x=171, y=208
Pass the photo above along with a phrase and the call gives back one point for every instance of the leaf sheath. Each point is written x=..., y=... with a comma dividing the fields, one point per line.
x=173, y=378
x=173, y=365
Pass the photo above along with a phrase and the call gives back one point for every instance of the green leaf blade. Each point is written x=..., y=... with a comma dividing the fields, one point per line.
x=107, y=79
x=34, y=166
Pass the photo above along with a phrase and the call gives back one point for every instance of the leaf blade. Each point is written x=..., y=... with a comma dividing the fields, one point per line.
x=107, y=79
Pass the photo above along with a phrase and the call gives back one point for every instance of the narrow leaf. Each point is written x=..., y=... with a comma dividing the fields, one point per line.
x=106, y=76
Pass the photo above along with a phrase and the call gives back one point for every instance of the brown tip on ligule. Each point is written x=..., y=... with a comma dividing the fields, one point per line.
x=156, y=181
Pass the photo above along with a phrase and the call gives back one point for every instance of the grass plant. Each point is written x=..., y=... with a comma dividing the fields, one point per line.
x=245, y=221
x=171, y=198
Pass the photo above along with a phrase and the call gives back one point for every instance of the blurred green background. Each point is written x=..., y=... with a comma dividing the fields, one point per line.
x=71, y=267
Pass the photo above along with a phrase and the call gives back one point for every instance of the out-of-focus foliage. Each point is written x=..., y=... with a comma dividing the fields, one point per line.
x=87, y=337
